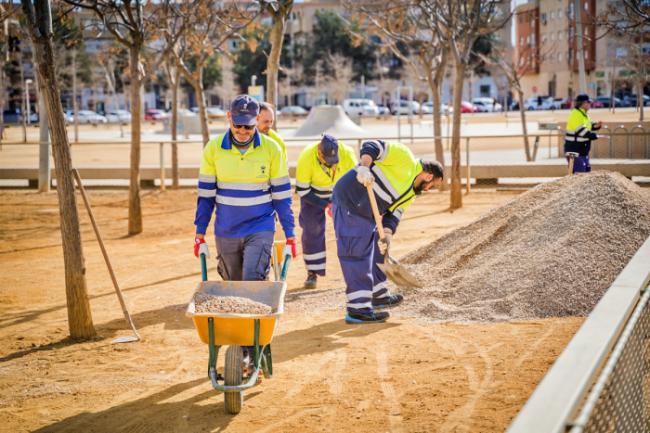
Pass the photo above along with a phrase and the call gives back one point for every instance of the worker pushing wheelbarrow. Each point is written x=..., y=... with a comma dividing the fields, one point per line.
x=247, y=334
x=244, y=182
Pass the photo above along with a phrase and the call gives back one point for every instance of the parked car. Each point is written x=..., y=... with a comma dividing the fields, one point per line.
x=153, y=114
x=118, y=116
x=631, y=100
x=383, y=110
x=404, y=108
x=486, y=105
x=360, y=107
x=607, y=102
x=88, y=116
x=427, y=108
x=293, y=110
x=14, y=116
x=467, y=107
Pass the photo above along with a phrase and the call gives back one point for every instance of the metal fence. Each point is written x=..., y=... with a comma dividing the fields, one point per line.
x=620, y=399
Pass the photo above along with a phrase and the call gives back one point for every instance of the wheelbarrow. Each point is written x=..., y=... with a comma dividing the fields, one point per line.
x=237, y=330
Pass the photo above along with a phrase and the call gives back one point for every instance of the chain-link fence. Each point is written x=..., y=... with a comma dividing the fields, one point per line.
x=619, y=401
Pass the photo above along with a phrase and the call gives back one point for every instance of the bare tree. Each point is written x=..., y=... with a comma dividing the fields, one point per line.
x=340, y=80
x=412, y=36
x=212, y=24
x=628, y=21
x=513, y=70
x=39, y=25
x=460, y=24
x=126, y=21
x=279, y=11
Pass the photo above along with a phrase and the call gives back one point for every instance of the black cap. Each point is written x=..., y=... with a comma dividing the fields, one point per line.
x=583, y=97
x=329, y=148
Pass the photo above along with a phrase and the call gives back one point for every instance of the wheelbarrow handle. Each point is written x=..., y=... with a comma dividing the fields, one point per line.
x=285, y=267
x=204, y=268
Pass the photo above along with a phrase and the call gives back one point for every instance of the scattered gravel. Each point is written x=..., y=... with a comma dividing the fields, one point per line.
x=206, y=303
x=551, y=252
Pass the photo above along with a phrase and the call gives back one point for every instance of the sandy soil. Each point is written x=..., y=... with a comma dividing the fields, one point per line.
x=404, y=375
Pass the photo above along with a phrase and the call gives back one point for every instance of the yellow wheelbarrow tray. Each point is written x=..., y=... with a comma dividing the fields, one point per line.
x=236, y=330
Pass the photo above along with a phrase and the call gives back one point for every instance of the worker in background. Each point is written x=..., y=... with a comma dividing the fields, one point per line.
x=397, y=177
x=320, y=166
x=265, y=125
x=244, y=177
x=580, y=132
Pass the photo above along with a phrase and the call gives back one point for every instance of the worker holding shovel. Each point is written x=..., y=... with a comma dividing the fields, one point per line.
x=320, y=166
x=387, y=179
x=579, y=135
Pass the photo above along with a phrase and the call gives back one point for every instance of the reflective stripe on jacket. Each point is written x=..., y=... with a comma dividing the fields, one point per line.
x=246, y=189
x=578, y=134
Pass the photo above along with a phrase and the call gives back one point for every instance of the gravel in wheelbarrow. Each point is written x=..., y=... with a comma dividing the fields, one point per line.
x=211, y=304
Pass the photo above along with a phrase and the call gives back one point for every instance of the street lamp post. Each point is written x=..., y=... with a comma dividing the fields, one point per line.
x=27, y=109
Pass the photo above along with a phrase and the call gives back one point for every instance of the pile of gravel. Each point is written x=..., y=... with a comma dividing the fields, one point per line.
x=206, y=304
x=551, y=252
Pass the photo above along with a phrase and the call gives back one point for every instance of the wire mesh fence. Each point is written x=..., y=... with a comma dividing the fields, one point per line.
x=619, y=401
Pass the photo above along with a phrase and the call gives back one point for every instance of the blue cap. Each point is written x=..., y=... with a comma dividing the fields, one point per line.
x=329, y=148
x=244, y=110
x=583, y=97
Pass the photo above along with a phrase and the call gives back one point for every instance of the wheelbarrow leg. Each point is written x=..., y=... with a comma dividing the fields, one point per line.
x=267, y=362
x=213, y=350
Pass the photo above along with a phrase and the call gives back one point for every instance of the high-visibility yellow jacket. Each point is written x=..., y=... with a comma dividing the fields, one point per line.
x=274, y=135
x=394, y=168
x=314, y=180
x=579, y=132
x=246, y=189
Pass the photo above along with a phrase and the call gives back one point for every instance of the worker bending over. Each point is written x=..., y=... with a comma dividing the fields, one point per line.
x=396, y=177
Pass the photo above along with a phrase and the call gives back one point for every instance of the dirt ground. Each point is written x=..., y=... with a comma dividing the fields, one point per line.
x=407, y=375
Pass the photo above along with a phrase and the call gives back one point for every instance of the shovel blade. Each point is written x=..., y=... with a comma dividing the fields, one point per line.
x=125, y=339
x=398, y=274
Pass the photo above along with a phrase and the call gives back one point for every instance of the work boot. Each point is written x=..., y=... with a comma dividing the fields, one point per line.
x=310, y=282
x=387, y=301
x=370, y=317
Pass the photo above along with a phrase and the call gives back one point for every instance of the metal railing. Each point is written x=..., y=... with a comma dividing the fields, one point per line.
x=417, y=145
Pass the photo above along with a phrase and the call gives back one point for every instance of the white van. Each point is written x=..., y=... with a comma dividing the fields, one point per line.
x=360, y=107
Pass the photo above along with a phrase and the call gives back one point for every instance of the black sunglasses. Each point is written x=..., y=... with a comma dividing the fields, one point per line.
x=246, y=127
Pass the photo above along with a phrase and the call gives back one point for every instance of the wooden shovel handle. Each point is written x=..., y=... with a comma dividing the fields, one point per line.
x=375, y=211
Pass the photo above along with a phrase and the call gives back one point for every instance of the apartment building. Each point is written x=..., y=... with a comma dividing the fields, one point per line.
x=548, y=28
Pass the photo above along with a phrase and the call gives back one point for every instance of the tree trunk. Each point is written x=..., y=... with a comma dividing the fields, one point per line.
x=80, y=321
x=276, y=38
x=176, y=78
x=135, y=210
x=200, y=98
x=456, y=198
x=639, y=97
x=524, y=127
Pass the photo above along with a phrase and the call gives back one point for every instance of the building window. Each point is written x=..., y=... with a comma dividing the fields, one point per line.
x=552, y=15
x=559, y=57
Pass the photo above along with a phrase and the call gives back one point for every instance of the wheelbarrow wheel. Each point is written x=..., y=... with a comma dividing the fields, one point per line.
x=233, y=373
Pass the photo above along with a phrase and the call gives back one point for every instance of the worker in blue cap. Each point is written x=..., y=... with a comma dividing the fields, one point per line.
x=320, y=166
x=580, y=132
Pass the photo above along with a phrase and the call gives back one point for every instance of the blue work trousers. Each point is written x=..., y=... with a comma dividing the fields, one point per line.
x=312, y=221
x=245, y=258
x=581, y=164
x=358, y=252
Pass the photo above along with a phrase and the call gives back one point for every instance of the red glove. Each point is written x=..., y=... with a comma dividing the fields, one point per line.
x=200, y=247
x=290, y=248
x=328, y=209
